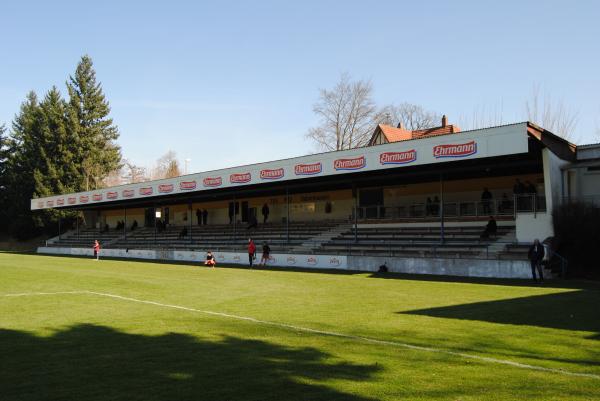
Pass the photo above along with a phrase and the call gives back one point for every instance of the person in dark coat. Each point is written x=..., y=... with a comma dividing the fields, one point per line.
x=199, y=216
x=486, y=200
x=490, y=229
x=205, y=217
x=536, y=255
x=231, y=209
x=266, y=252
x=252, y=223
x=265, y=213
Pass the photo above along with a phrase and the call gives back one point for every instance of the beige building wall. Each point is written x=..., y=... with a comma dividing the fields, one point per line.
x=111, y=217
x=458, y=190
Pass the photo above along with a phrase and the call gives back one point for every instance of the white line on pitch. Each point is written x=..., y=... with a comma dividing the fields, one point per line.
x=28, y=294
x=353, y=337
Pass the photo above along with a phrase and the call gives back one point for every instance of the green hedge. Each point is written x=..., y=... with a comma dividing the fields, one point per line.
x=577, y=237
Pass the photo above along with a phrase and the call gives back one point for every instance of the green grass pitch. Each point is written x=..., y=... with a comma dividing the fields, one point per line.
x=186, y=332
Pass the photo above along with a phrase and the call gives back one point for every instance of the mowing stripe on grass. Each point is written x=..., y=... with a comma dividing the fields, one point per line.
x=324, y=333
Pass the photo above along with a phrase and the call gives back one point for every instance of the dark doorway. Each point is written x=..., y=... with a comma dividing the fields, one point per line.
x=369, y=202
x=245, y=211
x=149, y=216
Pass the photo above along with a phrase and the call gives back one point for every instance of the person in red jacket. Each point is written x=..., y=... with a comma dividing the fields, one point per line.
x=251, y=251
x=96, y=250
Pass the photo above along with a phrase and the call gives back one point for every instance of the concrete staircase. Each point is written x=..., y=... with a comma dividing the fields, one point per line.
x=499, y=244
x=315, y=242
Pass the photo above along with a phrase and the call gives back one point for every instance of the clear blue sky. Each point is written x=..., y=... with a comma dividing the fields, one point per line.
x=228, y=83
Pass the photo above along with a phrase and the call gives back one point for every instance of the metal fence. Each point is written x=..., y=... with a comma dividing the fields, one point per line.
x=524, y=203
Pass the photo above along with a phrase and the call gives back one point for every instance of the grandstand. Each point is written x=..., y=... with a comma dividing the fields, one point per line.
x=402, y=199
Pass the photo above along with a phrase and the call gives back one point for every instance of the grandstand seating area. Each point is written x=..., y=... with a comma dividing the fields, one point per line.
x=214, y=237
x=394, y=240
x=86, y=237
x=308, y=237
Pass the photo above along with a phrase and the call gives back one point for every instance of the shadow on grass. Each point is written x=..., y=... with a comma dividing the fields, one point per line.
x=88, y=362
x=574, y=310
x=557, y=283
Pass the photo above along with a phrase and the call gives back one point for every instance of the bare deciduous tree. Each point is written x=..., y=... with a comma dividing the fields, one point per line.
x=413, y=117
x=167, y=166
x=132, y=173
x=483, y=116
x=551, y=115
x=346, y=115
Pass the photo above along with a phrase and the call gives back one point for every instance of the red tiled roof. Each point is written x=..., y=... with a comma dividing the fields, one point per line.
x=393, y=134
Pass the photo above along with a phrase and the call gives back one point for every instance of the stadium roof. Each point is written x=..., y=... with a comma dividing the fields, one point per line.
x=484, y=143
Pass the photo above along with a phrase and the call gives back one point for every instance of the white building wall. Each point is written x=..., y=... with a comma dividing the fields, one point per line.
x=531, y=226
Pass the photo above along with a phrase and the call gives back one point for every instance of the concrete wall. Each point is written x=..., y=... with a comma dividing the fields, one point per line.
x=451, y=267
x=530, y=226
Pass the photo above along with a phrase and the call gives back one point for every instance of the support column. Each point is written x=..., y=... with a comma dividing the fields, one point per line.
x=234, y=220
x=77, y=224
x=287, y=210
x=125, y=224
x=441, y=209
x=154, y=213
x=59, y=219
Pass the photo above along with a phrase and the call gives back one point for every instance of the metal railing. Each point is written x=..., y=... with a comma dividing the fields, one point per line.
x=590, y=199
x=525, y=203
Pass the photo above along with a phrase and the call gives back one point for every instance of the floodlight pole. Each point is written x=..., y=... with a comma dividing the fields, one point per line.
x=125, y=223
x=234, y=221
x=191, y=218
x=355, y=196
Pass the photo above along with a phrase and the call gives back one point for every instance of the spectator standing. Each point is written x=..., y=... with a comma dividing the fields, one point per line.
x=265, y=213
x=266, y=252
x=536, y=255
x=531, y=194
x=486, y=200
x=435, y=206
x=204, y=216
x=252, y=223
x=251, y=251
x=199, y=216
x=231, y=212
x=97, y=250
x=428, y=206
x=518, y=191
x=518, y=188
x=504, y=204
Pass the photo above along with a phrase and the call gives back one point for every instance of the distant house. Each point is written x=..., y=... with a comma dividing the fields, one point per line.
x=387, y=133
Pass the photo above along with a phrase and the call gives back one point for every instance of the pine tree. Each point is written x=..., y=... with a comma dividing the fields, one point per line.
x=57, y=169
x=93, y=132
x=4, y=154
x=21, y=161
